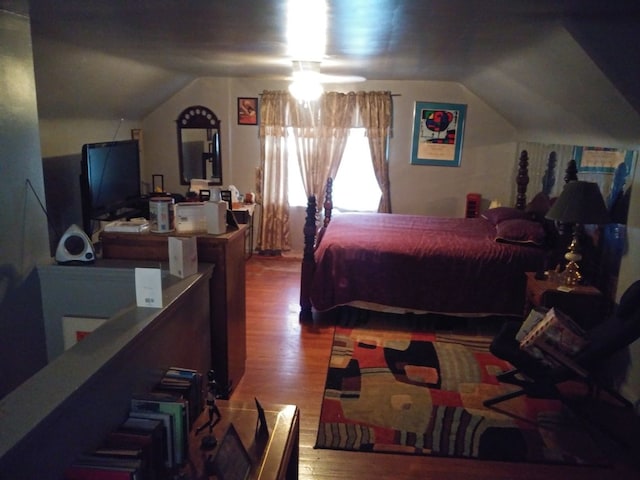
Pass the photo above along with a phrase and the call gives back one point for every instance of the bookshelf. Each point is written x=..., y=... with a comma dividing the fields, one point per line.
x=70, y=405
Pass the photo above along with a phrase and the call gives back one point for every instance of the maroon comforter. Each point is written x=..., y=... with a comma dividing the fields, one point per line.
x=446, y=265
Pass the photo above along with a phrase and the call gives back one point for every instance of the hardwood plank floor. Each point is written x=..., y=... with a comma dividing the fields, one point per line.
x=287, y=363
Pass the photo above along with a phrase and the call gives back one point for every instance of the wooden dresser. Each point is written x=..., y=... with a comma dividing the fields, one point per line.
x=227, y=289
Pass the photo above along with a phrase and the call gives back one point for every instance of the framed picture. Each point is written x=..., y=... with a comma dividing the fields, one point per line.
x=247, y=110
x=602, y=159
x=438, y=130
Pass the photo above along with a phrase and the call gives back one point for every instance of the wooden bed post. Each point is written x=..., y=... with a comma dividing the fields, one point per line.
x=328, y=203
x=312, y=238
x=522, y=180
x=571, y=173
x=308, y=262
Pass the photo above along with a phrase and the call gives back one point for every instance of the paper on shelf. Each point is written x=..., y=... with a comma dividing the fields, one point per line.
x=148, y=287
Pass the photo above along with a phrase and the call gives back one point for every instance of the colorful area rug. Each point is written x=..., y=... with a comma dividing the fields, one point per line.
x=395, y=385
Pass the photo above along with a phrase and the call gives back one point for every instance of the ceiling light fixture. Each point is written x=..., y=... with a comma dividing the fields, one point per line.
x=306, y=84
x=305, y=91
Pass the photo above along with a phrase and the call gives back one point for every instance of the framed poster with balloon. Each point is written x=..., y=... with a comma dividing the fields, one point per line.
x=438, y=130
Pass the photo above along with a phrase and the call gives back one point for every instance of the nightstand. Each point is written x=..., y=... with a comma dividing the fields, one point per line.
x=583, y=303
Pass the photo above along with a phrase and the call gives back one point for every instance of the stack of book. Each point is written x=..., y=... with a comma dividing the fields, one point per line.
x=552, y=337
x=187, y=384
x=153, y=440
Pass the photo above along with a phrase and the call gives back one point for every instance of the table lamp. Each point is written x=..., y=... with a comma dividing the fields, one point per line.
x=580, y=203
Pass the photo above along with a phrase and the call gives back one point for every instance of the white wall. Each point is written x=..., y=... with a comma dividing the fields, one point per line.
x=23, y=241
x=23, y=226
x=64, y=136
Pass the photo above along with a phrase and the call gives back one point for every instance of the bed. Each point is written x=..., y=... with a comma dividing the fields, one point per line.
x=396, y=262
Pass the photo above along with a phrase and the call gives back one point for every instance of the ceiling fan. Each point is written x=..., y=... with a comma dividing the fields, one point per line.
x=307, y=79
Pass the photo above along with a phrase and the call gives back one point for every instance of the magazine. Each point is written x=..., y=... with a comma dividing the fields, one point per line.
x=554, y=338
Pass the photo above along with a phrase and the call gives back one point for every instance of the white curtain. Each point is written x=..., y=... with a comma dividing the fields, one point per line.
x=320, y=131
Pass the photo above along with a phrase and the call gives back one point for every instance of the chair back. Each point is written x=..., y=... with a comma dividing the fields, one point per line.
x=619, y=330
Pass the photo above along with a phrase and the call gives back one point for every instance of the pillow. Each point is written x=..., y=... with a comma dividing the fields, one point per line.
x=500, y=214
x=539, y=206
x=520, y=231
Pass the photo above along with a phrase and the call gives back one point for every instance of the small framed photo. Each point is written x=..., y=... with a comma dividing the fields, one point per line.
x=247, y=110
x=438, y=130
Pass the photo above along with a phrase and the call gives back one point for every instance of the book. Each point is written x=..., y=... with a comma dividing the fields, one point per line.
x=130, y=445
x=174, y=405
x=534, y=317
x=99, y=467
x=554, y=338
x=182, y=389
x=188, y=383
x=90, y=472
x=167, y=426
x=556, y=357
x=147, y=430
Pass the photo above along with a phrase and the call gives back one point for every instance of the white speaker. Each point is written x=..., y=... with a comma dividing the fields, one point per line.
x=75, y=248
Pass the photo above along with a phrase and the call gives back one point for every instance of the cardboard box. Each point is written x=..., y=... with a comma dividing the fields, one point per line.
x=190, y=217
x=216, y=217
x=183, y=256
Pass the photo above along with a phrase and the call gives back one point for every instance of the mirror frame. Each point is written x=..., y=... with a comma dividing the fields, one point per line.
x=199, y=117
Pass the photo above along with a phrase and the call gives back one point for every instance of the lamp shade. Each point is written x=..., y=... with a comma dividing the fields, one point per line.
x=579, y=202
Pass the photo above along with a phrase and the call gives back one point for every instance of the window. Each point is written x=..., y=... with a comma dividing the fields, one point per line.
x=355, y=187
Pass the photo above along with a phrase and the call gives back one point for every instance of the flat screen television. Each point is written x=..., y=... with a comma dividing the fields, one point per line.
x=110, y=182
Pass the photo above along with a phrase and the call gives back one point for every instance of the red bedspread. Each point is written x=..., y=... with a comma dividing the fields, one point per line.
x=446, y=265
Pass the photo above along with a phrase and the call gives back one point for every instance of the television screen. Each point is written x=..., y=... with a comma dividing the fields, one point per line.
x=110, y=180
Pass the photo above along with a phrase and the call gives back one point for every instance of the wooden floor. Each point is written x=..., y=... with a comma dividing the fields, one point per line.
x=287, y=363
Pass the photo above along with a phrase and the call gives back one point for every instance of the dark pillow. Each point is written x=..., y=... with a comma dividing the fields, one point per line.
x=539, y=206
x=520, y=231
x=500, y=214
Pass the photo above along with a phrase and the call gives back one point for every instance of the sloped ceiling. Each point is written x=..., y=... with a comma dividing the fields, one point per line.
x=565, y=64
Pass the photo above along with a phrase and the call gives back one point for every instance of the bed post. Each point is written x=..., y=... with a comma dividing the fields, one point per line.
x=312, y=238
x=328, y=202
x=308, y=261
x=522, y=180
x=571, y=173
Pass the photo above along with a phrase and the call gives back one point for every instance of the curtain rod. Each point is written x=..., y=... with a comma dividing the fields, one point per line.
x=393, y=94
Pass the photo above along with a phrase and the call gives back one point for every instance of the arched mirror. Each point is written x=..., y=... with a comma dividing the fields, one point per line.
x=199, y=145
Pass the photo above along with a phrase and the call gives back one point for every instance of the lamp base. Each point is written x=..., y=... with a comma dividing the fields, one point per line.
x=572, y=274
